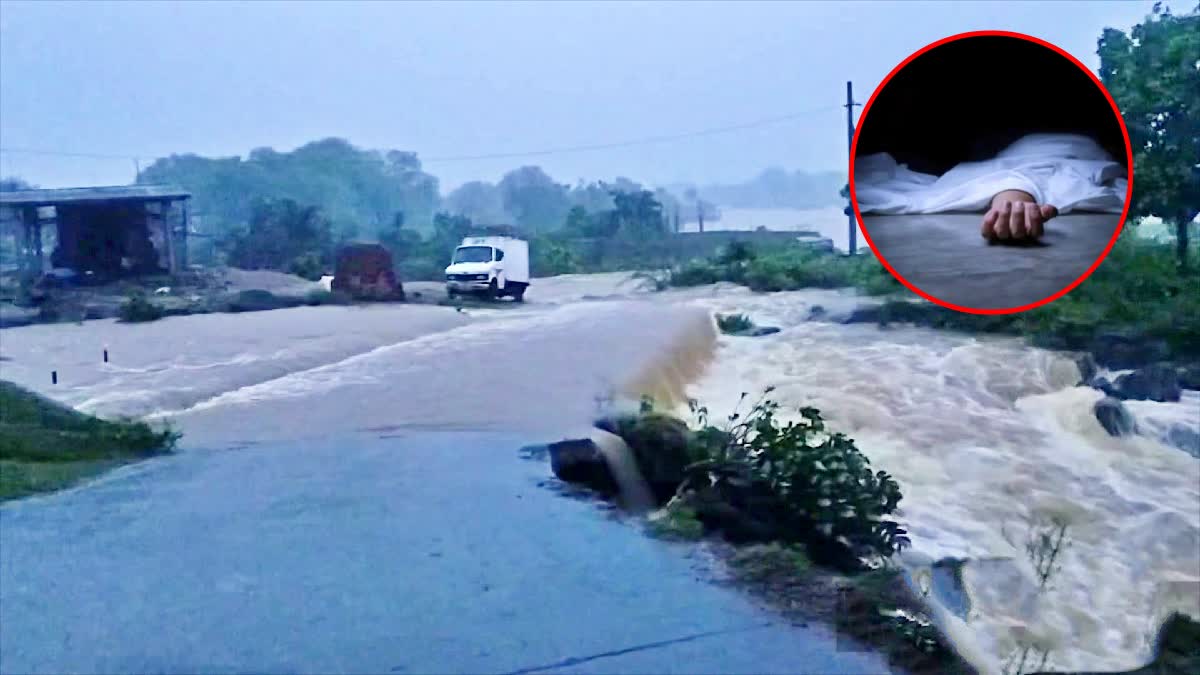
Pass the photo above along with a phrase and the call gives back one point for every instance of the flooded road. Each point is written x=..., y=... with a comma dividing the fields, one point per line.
x=377, y=553
x=990, y=441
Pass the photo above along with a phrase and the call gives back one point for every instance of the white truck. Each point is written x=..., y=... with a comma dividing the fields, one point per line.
x=493, y=267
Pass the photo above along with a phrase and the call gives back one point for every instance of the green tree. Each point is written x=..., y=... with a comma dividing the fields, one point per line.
x=403, y=242
x=1153, y=74
x=534, y=199
x=281, y=235
x=14, y=183
x=359, y=190
x=480, y=201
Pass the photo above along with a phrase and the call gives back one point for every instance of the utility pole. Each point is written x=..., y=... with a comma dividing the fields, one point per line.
x=849, y=148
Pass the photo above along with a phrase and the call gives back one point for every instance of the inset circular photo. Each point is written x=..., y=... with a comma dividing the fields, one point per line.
x=991, y=172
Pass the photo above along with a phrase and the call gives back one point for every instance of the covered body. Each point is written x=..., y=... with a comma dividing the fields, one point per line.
x=1068, y=171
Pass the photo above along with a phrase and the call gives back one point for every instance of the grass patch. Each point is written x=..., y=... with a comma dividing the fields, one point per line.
x=47, y=446
x=675, y=521
x=785, y=269
x=138, y=309
x=761, y=562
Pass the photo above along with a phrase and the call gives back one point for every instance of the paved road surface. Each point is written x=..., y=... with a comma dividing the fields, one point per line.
x=379, y=553
x=944, y=256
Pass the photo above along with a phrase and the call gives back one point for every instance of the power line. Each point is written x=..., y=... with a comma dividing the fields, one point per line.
x=649, y=140
x=641, y=141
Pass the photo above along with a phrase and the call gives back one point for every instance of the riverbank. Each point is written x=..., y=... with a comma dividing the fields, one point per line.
x=46, y=446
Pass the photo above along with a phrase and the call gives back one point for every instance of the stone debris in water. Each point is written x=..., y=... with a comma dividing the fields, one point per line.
x=1115, y=417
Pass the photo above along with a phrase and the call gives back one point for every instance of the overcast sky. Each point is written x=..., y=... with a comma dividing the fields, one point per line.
x=473, y=78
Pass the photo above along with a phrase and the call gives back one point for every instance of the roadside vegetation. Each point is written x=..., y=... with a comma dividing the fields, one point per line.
x=783, y=269
x=1139, y=293
x=797, y=513
x=45, y=446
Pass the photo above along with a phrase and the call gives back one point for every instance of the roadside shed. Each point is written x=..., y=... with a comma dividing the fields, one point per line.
x=109, y=232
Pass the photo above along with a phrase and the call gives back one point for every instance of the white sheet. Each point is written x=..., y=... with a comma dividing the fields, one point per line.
x=1069, y=171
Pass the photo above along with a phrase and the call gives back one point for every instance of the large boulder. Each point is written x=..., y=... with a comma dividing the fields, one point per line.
x=365, y=272
x=580, y=461
x=1156, y=382
x=660, y=445
x=1114, y=417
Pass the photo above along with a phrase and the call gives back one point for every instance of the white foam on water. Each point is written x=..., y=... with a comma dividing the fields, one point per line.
x=992, y=445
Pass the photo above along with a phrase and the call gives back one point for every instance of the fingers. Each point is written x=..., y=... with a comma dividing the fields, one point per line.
x=1002, y=223
x=1033, y=218
x=989, y=223
x=1016, y=220
x=1034, y=221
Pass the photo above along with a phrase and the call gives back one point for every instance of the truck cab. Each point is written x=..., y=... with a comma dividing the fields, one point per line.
x=492, y=267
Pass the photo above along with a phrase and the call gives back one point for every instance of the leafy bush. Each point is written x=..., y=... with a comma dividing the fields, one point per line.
x=815, y=484
x=734, y=323
x=1138, y=291
x=137, y=308
x=675, y=521
x=307, y=265
x=422, y=269
x=696, y=273
x=786, y=269
x=551, y=258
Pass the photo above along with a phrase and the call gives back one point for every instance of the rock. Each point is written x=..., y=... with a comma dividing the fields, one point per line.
x=1114, y=417
x=580, y=461
x=865, y=314
x=256, y=300
x=1126, y=350
x=1185, y=438
x=1156, y=382
x=1087, y=368
x=1102, y=384
x=757, y=331
x=1189, y=376
x=660, y=445
x=365, y=272
x=816, y=312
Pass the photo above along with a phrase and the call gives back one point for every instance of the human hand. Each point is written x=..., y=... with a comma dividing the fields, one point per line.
x=1015, y=216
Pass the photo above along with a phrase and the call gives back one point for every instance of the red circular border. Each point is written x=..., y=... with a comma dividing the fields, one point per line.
x=1128, y=154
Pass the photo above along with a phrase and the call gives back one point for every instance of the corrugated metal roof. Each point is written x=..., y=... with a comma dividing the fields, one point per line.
x=92, y=194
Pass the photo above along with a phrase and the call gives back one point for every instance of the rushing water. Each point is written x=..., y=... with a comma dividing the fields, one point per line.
x=990, y=440
x=995, y=447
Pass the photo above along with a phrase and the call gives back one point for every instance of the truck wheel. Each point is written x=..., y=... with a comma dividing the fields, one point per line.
x=493, y=290
x=519, y=294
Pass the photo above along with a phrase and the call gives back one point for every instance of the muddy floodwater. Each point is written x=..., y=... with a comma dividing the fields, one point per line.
x=338, y=449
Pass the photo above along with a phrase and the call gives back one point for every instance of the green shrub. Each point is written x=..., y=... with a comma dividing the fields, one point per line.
x=822, y=489
x=734, y=323
x=675, y=521
x=696, y=273
x=137, y=308
x=422, y=269
x=307, y=265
